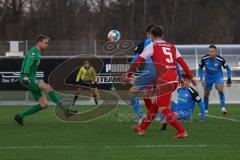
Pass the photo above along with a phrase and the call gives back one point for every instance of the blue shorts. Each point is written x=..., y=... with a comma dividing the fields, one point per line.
x=183, y=114
x=144, y=80
x=211, y=82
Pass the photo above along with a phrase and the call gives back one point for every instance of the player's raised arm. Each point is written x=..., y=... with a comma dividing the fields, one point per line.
x=185, y=67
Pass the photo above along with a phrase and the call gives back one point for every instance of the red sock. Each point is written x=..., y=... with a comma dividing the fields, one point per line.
x=171, y=119
x=150, y=116
x=148, y=102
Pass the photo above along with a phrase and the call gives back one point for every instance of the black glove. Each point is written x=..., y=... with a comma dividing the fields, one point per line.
x=25, y=81
x=229, y=81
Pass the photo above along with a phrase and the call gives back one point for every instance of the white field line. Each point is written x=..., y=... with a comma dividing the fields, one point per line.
x=119, y=146
x=224, y=118
x=37, y=147
x=182, y=146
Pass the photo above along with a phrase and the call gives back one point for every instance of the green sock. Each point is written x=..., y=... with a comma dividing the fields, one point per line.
x=31, y=110
x=55, y=98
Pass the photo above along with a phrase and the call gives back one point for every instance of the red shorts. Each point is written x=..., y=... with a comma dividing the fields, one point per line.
x=164, y=93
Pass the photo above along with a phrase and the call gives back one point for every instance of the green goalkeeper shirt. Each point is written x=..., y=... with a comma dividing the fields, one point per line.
x=30, y=64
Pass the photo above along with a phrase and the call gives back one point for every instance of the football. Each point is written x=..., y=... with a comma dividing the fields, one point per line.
x=114, y=35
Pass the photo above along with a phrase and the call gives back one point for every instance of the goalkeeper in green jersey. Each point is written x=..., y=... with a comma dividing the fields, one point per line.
x=37, y=88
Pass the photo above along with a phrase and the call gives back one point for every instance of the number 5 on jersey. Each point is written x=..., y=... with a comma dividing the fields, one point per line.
x=167, y=52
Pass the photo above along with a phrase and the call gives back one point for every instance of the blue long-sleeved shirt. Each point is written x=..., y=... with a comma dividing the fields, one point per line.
x=213, y=68
x=187, y=99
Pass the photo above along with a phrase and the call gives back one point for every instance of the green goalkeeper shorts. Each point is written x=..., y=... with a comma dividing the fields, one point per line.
x=34, y=89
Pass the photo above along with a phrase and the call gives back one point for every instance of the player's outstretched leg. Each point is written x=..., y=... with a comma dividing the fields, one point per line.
x=33, y=109
x=163, y=120
x=66, y=109
x=173, y=121
x=140, y=129
x=56, y=99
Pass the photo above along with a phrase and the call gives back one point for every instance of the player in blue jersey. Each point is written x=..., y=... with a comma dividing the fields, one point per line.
x=146, y=78
x=213, y=64
x=187, y=97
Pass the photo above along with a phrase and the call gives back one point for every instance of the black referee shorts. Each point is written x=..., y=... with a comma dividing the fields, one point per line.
x=88, y=84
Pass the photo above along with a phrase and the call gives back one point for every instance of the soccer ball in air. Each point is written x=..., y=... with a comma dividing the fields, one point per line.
x=114, y=35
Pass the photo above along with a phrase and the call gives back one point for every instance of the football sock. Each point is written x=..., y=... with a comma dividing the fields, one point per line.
x=148, y=102
x=172, y=120
x=150, y=116
x=75, y=98
x=94, y=95
x=222, y=99
x=96, y=101
x=54, y=97
x=136, y=106
x=33, y=109
x=206, y=99
x=161, y=117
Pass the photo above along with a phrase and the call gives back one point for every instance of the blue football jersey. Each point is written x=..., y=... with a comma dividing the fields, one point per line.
x=187, y=98
x=149, y=67
x=213, y=66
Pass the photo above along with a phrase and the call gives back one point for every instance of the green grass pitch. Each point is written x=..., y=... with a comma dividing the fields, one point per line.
x=43, y=137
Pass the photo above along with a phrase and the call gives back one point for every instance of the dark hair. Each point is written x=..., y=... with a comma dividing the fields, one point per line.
x=157, y=31
x=184, y=75
x=41, y=37
x=212, y=46
x=149, y=27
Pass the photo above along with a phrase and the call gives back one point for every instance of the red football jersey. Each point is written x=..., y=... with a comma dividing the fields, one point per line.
x=164, y=56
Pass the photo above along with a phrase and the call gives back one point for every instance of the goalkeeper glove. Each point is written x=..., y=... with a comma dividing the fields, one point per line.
x=25, y=81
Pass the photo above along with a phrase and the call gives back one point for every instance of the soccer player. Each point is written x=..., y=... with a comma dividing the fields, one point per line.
x=187, y=97
x=86, y=78
x=146, y=80
x=37, y=87
x=164, y=56
x=213, y=64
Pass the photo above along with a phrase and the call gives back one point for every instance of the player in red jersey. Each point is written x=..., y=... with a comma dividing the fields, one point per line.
x=164, y=56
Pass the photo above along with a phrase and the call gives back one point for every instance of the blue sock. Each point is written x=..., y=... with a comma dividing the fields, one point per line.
x=206, y=103
x=161, y=117
x=222, y=99
x=136, y=106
